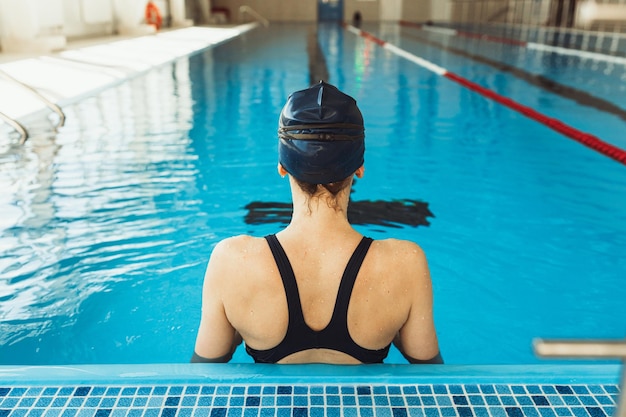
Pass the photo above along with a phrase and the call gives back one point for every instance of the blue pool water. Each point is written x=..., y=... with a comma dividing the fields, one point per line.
x=106, y=226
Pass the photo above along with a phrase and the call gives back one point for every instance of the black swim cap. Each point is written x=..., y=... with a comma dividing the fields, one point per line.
x=321, y=135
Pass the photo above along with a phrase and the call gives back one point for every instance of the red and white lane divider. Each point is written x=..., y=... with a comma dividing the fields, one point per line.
x=529, y=45
x=586, y=139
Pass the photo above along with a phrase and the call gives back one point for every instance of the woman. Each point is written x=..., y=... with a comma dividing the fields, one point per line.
x=318, y=291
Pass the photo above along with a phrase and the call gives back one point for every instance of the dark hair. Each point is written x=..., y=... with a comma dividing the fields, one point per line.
x=333, y=188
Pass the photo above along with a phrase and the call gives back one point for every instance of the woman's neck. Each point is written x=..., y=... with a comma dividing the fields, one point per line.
x=317, y=214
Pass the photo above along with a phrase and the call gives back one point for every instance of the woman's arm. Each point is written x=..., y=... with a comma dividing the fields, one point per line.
x=417, y=339
x=217, y=339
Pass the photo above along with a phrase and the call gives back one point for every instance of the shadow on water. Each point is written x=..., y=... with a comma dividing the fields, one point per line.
x=395, y=213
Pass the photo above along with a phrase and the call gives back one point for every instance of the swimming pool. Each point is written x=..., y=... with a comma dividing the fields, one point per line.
x=107, y=225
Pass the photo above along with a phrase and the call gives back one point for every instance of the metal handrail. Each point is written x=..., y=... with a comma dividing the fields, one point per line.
x=37, y=94
x=253, y=13
x=593, y=349
x=17, y=126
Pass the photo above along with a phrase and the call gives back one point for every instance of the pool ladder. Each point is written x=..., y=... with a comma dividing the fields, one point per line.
x=593, y=349
x=17, y=125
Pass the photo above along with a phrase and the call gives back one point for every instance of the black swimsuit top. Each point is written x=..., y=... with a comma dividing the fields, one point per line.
x=335, y=335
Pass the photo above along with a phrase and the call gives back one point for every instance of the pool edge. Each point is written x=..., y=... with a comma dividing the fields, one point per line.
x=247, y=374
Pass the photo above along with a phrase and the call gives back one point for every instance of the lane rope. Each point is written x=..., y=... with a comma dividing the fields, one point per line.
x=584, y=138
x=596, y=56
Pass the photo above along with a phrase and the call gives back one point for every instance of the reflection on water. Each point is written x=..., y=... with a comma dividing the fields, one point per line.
x=92, y=205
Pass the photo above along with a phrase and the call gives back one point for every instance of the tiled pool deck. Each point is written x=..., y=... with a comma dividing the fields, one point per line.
x=248, y=390
x=89, y=66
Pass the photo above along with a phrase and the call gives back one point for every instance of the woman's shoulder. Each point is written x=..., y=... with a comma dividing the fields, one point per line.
x=239, y=246
x=399, y=255
x=398, y=248
x=238, y=256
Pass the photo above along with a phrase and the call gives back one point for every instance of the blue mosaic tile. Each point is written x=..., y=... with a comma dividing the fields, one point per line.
x=250, y=412
x=333, y=411
x=333, y=400
x=460, y=400
x=530, y=412
x=555, y=400
x=481, y=411
x=465, y=412
x=399, y=412
x=595, y=389
x=348, y=401
x=493, y=400
x=366, y=412
x=267, y=412
x=364, y=401
x=604, y=399
x=381, y=412
x=563, y=411
x=18, y=413
x=424, y=400
x=350, y=412
x=497, y=412
x=448, y=411
x=17, y=392
x=587, y=400
x=413, y=400
x=476, y=400
x=380, y=400
x=428, y=401
x=514, y=412
x=595, y=412
x=316, y=400
x=546, y=412
x=413, y=412
x=487, y=389
x=456, y=389
x=443, y=401
x=472, y=389
x=580, y=412
x=234, y=402
x=152, y=412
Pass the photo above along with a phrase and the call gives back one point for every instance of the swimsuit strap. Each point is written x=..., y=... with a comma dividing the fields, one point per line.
x=296, y=316
x=340, y=313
